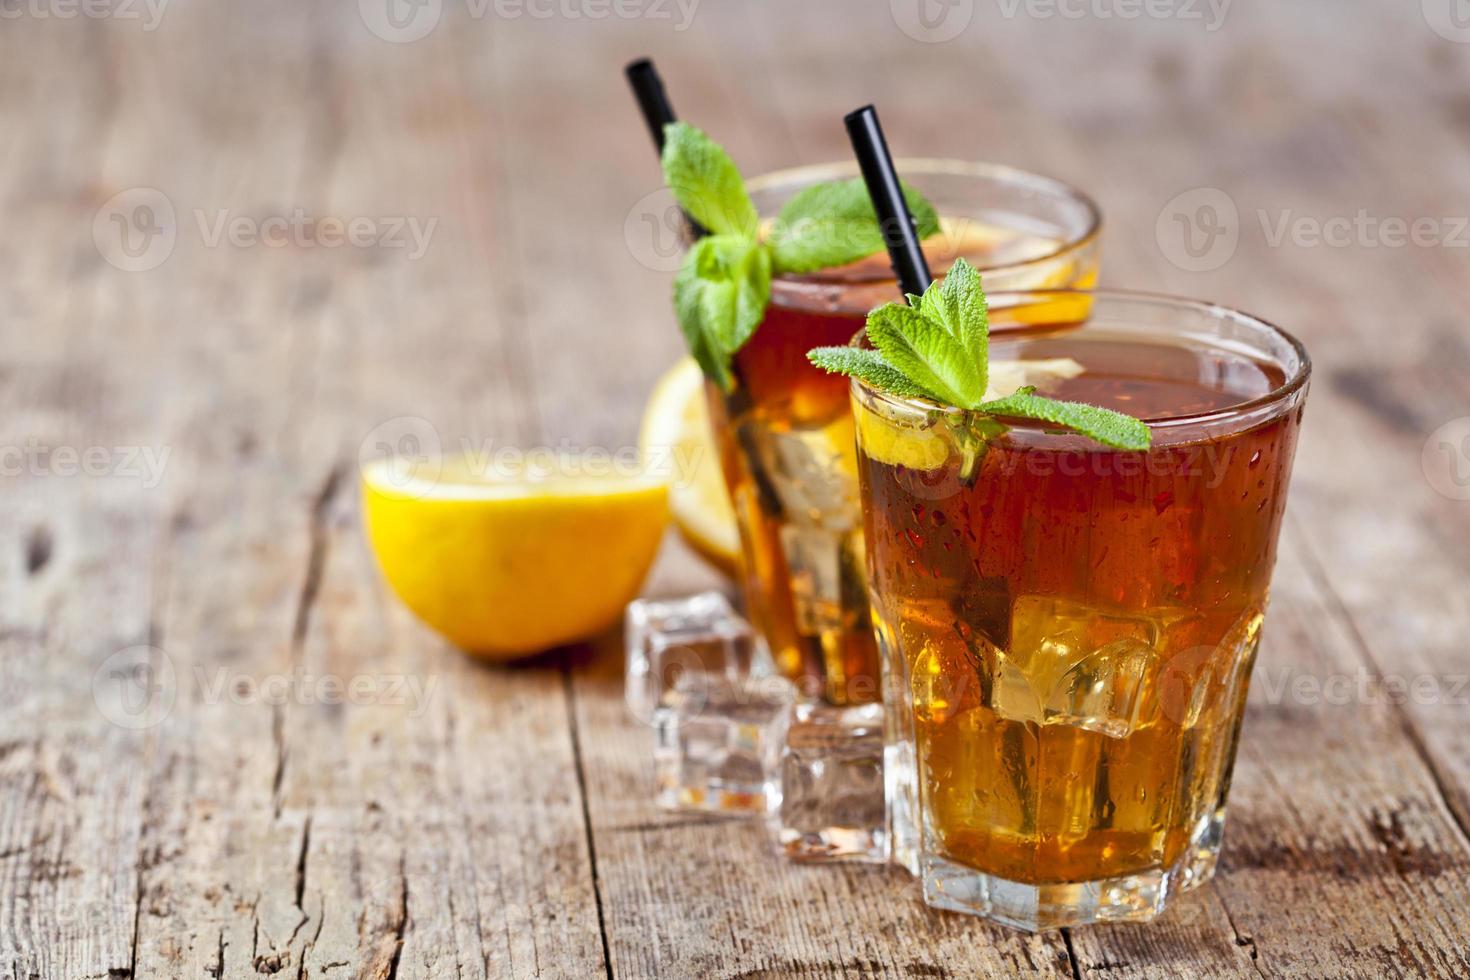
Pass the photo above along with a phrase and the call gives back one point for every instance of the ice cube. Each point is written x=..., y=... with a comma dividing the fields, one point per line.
x=1012, y=694
x=814, y=560
x=832, y=785
x=719, y=743
x=814, y=474
x=1074, y=664
x=666, y=638
x=1104, y=690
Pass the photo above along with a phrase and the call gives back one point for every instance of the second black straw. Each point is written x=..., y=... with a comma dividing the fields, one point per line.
x=900, y=233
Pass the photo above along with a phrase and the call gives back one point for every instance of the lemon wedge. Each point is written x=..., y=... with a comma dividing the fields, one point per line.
x=676, y=438
x=511, y=564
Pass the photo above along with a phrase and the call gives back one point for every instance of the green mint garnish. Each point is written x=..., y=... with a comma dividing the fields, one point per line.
x=832, y=224
x=720, y=295
x=1102, y=424
x=706, y=182
x=724, y=284
x=868, y=365
x=938, y=347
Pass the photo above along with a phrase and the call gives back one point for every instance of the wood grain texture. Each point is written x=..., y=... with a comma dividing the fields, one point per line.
x=475, y=821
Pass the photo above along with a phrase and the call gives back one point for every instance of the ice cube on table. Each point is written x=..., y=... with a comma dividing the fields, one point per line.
x=832, y=785
x=719, y=743
x=666, y=638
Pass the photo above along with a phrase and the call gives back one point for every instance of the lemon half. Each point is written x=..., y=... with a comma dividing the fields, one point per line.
x=509, y=565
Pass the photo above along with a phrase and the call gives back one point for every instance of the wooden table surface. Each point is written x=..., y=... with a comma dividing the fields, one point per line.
x=181, y=419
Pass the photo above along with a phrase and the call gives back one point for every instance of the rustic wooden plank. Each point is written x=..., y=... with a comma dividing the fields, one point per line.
x=222, y=866
x=70, y=788
x=79, y=574
x=233, y=839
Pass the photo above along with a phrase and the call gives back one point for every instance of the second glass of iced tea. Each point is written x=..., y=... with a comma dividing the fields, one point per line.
x=786, y=432
x=1068, y=630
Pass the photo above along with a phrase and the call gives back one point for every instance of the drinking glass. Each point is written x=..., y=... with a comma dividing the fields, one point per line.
x=1067, y=629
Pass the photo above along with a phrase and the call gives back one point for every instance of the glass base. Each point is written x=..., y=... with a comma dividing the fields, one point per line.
x=902, y=798
x=1128, y=898
x=1204, y=852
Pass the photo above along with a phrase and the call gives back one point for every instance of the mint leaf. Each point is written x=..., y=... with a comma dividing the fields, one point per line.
x=720, y=296
x=1103, y=425
x=928, y=354
x=958, y=302
x=706, y=182
x=939, y=346
x=866, y=364
x=833, y=223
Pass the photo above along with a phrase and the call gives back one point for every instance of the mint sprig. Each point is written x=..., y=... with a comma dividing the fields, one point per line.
x=720, y=296
x=939, y=347
x=724, y=283
x=868, y=365
x=706, y=182
x=833, y=223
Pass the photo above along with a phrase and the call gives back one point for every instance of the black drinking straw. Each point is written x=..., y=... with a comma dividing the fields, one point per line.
x=653, y=102
x=894, y=220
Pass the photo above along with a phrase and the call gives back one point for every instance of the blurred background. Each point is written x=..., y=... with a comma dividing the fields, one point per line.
x=493, y=162
x=268, y=229
x=241, y=213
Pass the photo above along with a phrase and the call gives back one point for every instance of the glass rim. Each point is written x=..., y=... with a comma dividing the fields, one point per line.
x=999, y=172
x=1289, y=386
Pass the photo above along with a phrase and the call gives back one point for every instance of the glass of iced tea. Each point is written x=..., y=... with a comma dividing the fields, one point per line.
x=785, y=431
x=1068, y=630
